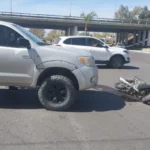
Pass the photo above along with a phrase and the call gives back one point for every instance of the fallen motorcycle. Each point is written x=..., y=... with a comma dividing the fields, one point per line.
x=134, y=88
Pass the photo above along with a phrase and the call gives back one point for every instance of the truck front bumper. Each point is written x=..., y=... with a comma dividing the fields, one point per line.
x=87, y=77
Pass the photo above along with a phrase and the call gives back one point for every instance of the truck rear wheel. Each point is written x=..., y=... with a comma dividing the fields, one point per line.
x=57, y=93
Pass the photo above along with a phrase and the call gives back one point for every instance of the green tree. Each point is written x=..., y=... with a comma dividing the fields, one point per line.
x=38, y=32
x=52, y=35
x=145, y=14
x=123, y=13
x=136, y=12
x=87, y=19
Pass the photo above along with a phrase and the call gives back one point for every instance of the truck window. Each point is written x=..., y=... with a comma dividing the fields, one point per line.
x=8, y=37
x=2, y=38
x=30, y=35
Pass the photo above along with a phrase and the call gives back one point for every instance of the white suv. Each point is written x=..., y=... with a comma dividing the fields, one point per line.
x=113, y=57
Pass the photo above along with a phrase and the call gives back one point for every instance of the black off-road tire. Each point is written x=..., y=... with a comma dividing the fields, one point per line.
x=50, y=92
x=116, y=62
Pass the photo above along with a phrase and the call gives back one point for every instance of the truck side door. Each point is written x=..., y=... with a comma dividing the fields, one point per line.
x=16, y=63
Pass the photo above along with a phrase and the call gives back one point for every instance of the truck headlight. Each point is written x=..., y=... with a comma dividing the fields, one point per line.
x=88, y=61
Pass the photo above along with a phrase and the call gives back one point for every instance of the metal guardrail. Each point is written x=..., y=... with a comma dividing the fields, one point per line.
x=15, y=14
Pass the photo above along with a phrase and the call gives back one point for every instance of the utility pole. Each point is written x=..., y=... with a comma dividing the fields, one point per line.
x=71, y=7
x=11, y=6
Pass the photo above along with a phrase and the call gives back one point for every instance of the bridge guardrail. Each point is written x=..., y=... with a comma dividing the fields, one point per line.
x=16, y=14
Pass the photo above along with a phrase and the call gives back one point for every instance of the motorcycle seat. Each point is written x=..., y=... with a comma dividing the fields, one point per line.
x=143, y=87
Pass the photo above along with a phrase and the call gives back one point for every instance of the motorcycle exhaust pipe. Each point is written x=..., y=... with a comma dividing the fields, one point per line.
x=146, y=98
x=123, y=80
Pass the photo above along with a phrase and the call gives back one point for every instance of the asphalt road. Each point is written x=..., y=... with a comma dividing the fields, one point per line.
x=99, y=120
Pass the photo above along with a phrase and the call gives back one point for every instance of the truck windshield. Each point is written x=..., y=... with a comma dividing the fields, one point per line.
x=30, y=35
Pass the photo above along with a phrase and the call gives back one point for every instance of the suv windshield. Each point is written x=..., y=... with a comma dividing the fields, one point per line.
x=31, y=36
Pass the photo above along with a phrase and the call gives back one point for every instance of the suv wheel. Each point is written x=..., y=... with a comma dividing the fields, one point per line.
x=116, y=62
x=57, y=93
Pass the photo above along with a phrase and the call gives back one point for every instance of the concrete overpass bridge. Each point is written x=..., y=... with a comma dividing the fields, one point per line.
x=72, y=24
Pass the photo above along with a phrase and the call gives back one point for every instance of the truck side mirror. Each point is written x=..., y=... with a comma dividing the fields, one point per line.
x=105, y=46
x=23, y=43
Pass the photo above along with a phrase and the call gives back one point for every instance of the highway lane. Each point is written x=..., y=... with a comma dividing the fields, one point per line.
x=99, y=120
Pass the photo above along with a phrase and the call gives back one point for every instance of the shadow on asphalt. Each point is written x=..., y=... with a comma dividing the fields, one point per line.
x=20, y=99
x=98, y=100
x=123, y=68
x=86, y=101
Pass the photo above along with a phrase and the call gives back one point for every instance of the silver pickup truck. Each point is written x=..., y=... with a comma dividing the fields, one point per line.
x=58, y=73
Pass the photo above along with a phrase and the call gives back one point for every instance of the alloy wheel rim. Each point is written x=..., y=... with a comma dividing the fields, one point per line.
x=56, y=93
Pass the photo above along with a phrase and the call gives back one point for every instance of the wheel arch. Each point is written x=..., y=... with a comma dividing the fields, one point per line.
x=117, y=55
x=57, y=71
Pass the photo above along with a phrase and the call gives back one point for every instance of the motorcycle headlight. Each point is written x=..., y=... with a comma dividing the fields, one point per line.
x=88, y=61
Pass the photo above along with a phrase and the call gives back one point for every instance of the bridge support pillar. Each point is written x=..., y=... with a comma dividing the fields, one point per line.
x=144, y=38
x=67, y=32
x=148, y=38
x=117, y=37
x=123, y=36
x=120, y=38
x=134, y=39
x=139, y=38
x=74, y=30
x=126, y=38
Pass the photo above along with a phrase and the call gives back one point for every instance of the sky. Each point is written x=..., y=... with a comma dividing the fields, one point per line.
x=103, y=8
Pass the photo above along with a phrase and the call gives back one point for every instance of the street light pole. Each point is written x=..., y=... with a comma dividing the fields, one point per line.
x=71, y=6
x=11, y=6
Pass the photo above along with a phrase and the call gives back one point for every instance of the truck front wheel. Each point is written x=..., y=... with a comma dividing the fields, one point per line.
x=57, y=93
